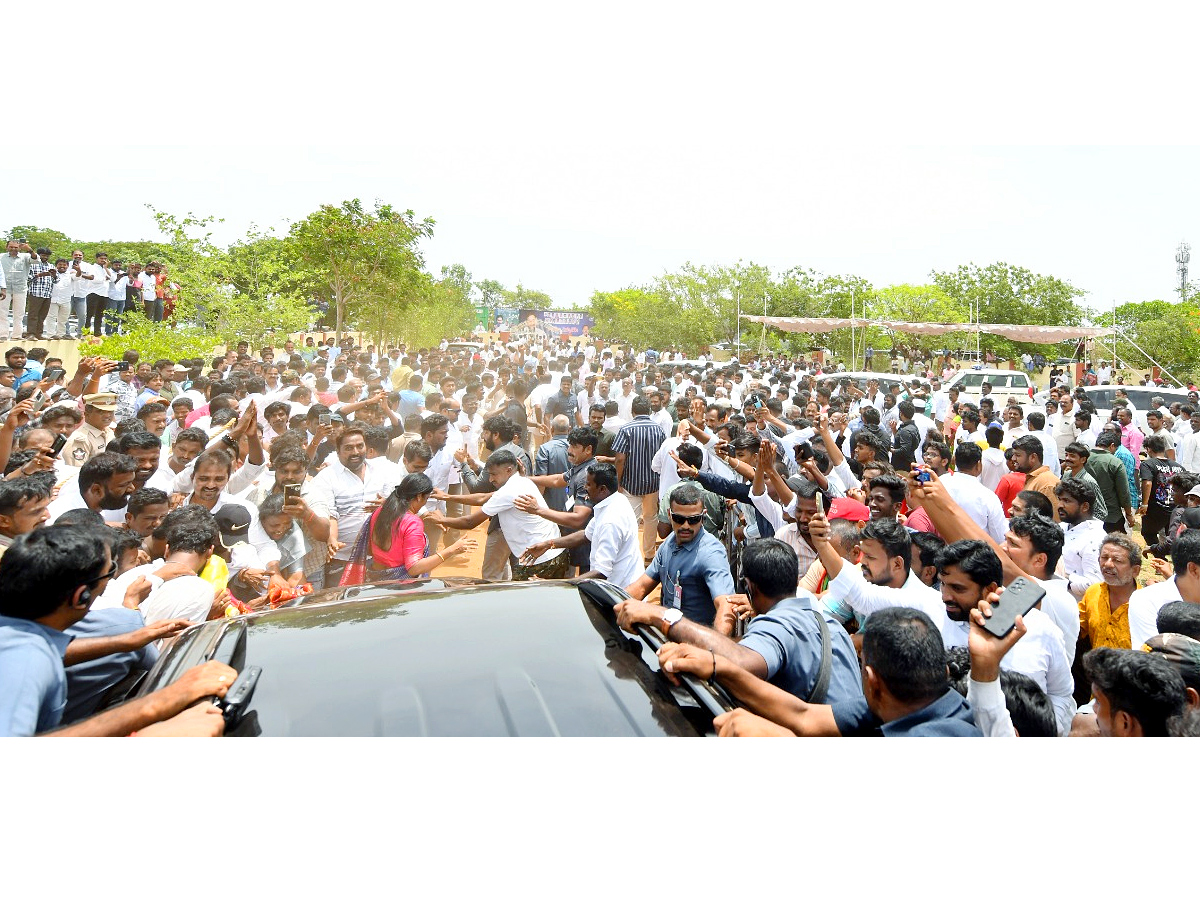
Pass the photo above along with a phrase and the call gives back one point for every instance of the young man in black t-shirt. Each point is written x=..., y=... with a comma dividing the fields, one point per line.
x=1155, y=474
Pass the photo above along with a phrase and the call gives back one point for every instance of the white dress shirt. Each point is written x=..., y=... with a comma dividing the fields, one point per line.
x=1144, y=605
x=616, y=550
x=338, y=493
x=1081, y=555
x=852, y=590
x=1041, y=654
x=662, y=419
x=1187, y=451
x=982, y=505
x=1063, y=610
x=1049, y=453
x=625, y=405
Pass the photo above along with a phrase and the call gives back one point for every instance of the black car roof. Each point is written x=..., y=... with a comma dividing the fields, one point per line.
x=517, y=659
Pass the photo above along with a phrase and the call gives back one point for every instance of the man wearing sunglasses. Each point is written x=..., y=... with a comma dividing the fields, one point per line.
x=691, y=565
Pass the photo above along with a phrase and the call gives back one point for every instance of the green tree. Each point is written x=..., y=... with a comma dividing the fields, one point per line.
x=913, y=303
x=1000, y=293
x=356, y=256
x=456, y=277
x=1169, y=332
x=524, y=298
x=491, y=293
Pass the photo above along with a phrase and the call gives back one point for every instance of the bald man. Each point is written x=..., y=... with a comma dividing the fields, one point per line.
x=552, y=460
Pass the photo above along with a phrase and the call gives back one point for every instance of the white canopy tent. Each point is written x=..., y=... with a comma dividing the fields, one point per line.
x=1033, y=334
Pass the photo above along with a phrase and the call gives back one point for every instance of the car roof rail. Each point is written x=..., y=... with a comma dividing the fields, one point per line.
x=711, y=696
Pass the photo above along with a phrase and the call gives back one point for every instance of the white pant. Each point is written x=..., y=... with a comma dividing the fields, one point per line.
x=56, y=319
x=18, y=313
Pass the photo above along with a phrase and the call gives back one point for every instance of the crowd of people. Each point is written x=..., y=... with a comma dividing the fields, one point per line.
x=43, y=297
x=827, y=551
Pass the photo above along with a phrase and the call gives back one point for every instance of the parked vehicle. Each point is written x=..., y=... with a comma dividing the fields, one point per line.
x=440, y=658
x=1005, y=383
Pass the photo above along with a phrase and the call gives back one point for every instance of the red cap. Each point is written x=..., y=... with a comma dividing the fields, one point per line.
x=851, y=510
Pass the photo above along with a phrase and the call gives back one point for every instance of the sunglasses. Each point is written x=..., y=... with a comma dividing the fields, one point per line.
x=109, y=574
x=690, y=520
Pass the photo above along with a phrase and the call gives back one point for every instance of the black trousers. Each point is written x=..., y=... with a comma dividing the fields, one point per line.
x=96, y=305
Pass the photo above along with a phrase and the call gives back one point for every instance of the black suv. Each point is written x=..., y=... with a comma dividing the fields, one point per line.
x=446, y=659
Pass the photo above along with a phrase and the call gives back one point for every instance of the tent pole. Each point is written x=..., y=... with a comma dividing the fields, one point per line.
x=1153, y=361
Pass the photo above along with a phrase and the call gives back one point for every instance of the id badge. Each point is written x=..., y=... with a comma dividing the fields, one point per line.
x=678, y=596
x=570, y=504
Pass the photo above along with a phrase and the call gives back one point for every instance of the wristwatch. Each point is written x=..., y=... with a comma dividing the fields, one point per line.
x=670, y=616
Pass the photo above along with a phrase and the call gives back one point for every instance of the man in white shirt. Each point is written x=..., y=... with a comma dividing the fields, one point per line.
x=969, y=568
x=1083, y=533
x=1037, y=427
x=981, y=504
x=342, y=493
x=885, y=580
x=1086, y=433
x=1062, y=425
x=522, y=530
x=658, y=413
x=177, y=591
x=1187, y=450
x=968, y=571
x=613, y=530
x=1145, y=603
x=625, y=400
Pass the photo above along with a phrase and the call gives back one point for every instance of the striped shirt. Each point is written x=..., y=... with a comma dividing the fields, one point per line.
x=639, y=440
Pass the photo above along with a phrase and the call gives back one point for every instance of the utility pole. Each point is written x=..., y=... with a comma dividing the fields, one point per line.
x=1183, y=255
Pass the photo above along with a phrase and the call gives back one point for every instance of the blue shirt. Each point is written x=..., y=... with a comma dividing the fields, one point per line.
x=88, y=681
x=33, y=682
x=789, y=639
x=552, y=460
x=411, y=403
x=1131, y=467
x=692, y=574
x=34, y=375
x=947, y=716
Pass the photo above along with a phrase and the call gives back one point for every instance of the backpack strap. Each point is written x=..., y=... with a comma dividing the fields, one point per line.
x=821, y=688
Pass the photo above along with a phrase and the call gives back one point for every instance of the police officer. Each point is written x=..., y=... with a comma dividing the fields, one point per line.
x=94, y=434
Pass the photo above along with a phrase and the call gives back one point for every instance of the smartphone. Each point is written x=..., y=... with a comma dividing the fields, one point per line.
x=123, y=366
x=59, y=442
x=758, y=404
x=290, y=493
x=924, y=476
x=38, y=399
x=820, y=498
x=325, y=419
x=1019, y=597
x=53, y=374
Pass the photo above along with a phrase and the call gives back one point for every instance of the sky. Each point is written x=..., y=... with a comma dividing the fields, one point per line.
x=574, y=150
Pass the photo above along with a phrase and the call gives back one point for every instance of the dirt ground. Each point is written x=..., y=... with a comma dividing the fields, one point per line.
x=468, y=565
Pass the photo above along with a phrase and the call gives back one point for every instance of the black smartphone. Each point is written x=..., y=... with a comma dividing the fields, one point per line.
x=290, y=493
x=122, y=366
x=1021, y=595
x=53, y=374
x=59, y=442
